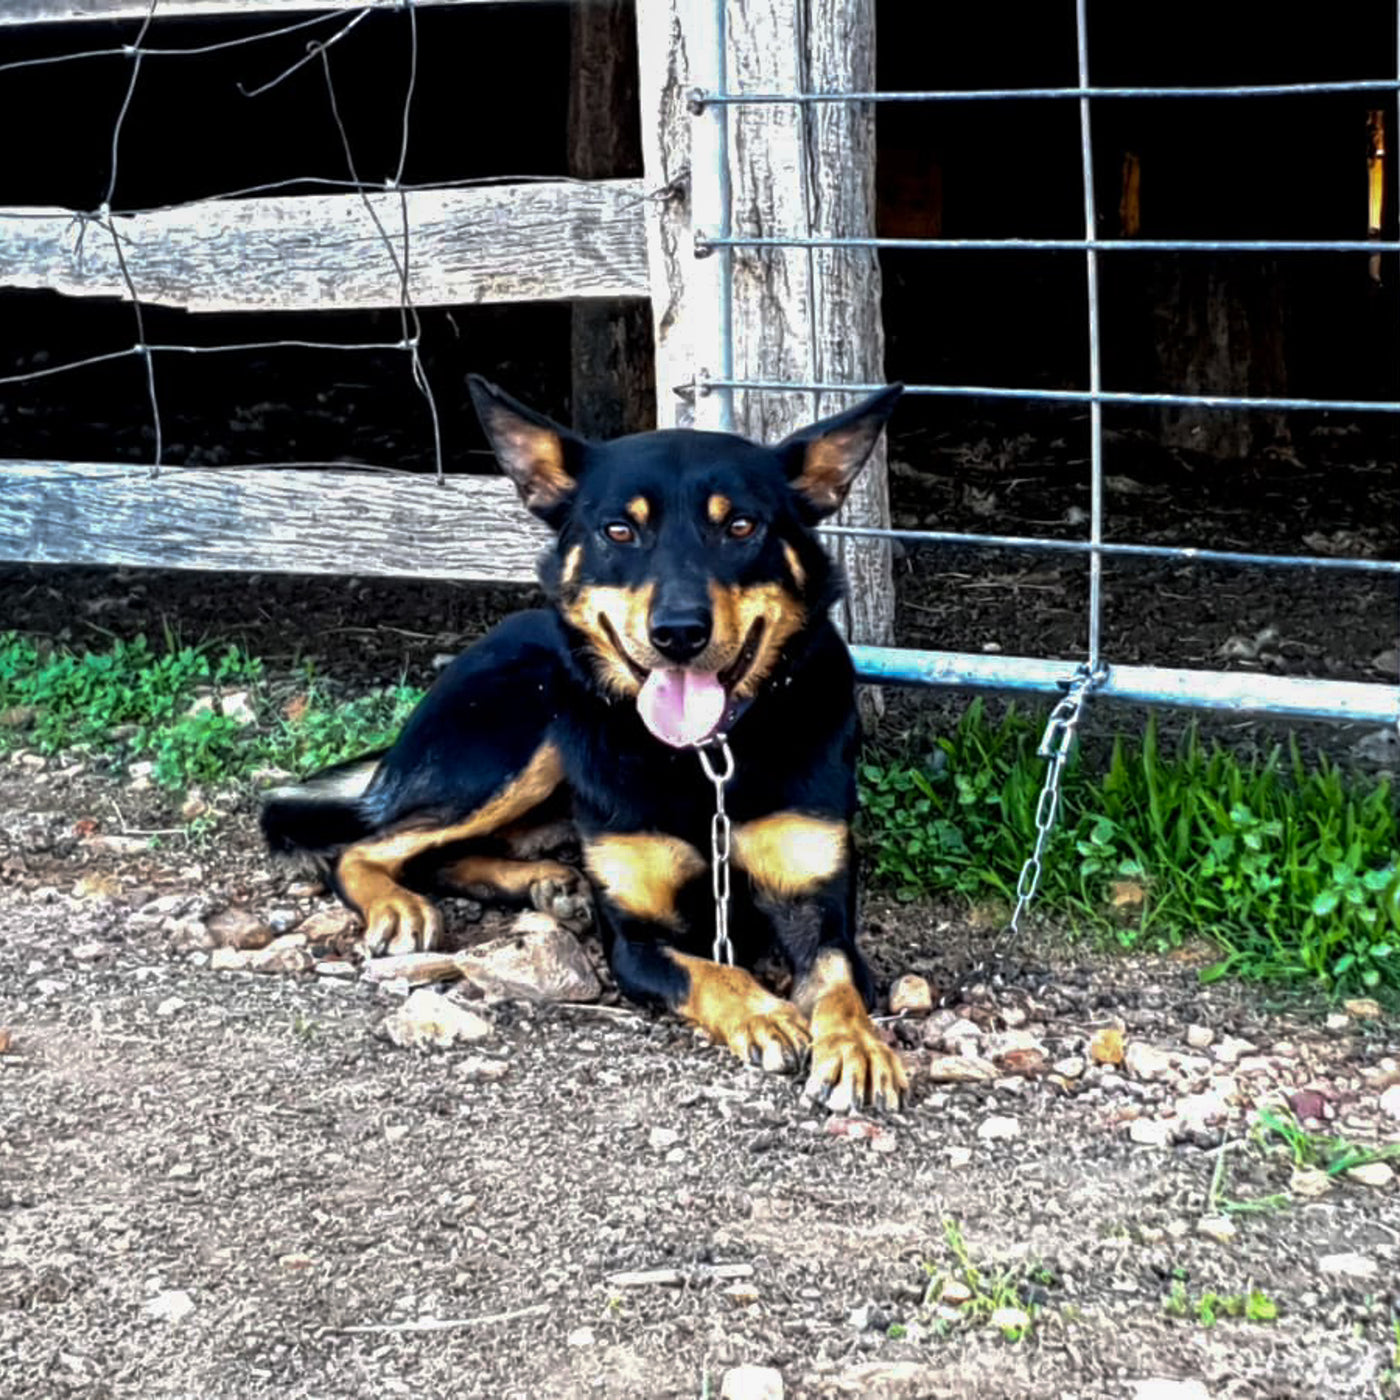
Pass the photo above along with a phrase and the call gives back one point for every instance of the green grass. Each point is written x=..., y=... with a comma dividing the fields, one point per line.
x=1277, y=1125
x=994, y=1289
x=134, y=701
x=1209, y=1307
x=1292, y=870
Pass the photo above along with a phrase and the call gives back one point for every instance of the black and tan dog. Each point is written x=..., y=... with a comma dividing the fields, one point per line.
x=690, y=599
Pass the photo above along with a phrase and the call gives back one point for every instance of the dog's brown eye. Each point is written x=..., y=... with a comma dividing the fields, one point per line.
x=619, y=533
x=741, y=527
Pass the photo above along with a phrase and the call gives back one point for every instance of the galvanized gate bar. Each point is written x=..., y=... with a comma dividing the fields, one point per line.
x=1296, y=697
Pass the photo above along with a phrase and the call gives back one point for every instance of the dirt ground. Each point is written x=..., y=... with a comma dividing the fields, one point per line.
x=226, y=1184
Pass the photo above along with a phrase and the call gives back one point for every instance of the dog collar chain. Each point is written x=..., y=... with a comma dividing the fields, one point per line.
x=719, y=842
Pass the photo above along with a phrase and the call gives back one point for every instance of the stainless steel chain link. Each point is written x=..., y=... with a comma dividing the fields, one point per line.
x=1055, y=746
x=720, y=833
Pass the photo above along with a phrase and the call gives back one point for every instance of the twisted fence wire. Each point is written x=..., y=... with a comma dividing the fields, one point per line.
x=105, y=216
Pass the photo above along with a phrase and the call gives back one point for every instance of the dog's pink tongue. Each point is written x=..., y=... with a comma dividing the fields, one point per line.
x=681, y=707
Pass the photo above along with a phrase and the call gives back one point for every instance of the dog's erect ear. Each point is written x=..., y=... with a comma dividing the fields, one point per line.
x=539, y=456
x=822, y=461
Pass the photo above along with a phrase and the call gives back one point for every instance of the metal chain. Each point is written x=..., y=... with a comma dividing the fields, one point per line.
x=1055, y=746
x=719, y=843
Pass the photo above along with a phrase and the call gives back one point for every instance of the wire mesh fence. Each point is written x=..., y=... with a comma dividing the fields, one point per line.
x=715, y=240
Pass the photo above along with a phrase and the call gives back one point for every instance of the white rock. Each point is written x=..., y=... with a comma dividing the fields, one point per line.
x=480, y=1069
x=1144, y=1061
x=960, y=1069
x=1010, y=1319
x=998, y=1127
x=91, y=951
x=911, y=995
x=1372, y=1174
x=416, y=969
x=1219, y=1228
x=751, y=1383
x=1150, y=1132
x=542, y=962
x=1002, y=1043
x=959, y=1033
x=660, y=1139
x=170, y=1007
x=1162, y=1388
x=1231, y=1048
x=174, y=1305
x=1338, y=1021
x=581, y=1337
x=1071, y=1067
x=429, y=1019
x=1203, y=1109
x=1348, y=1265
x=1199, y=1037
x=959, y=1157
x=1390, y=1101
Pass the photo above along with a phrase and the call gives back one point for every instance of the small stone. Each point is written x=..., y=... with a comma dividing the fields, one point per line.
x=659, y=1139
x=1163, y=1388
x=1307, y=1104
x=1390, y=1101
x=7, y=1040
x=305, y=889
x=960, y=1069
x=189, y=934
x=1150, y=1132
x=170, y=1007
x=181, y=1171
x=1310, y=1182
x=267, y=960
x=1363, y=1009
x=742, y=1294
x=335, y=967
x=1217, y=1227
x=481, y=1069
x=1027, y=1063
x=91, y=951
x=859, y=1318
x=330, y=925
x=1199, y=1037
x=1372, y=1174
x=1144, y=1061
x=955, y=1293
x=416, y=969
x=428, y=1019
x=543, y=963
x=1013, y=1017
x=998, y=1127
x=1015, y=1320
x=288, y=940
x=174, y=1305
x=395, y=1132
x=884, y=1142
x=936, y=1026
x=1002, y=1043
x=1338, y=1021
x=193, y=807
x=751, y=1383
x=296, y=1263
x=1255, y=1064
x=1202, y=1110
x=581, y=1337
x=959, y=1157
x=911, y=995
x=239, y=928
x=1106, y=1046
x=1231, y=1048
x=1348, y=1265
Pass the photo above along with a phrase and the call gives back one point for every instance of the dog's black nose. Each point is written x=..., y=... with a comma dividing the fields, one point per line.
x=680, y=634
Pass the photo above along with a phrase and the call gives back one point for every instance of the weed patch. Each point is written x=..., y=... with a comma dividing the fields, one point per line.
x=1292, y=870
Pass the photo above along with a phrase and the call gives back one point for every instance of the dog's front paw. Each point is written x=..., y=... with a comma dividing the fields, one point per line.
x=853, y=1068
x=775, y=1038
x=401, y=922
x=565, y=900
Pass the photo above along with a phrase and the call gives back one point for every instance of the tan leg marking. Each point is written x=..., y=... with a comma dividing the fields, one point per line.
x=799, y=574
x=788, y=854
x=730, y=1006
x=487, y=877
x=643, y=873
x=398, y=920
x=851, y=1066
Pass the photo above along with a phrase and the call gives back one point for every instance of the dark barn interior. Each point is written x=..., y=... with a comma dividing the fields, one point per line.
x=492, y=99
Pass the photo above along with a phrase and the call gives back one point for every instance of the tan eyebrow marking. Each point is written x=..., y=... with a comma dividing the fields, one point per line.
x=639, y=508
x=718, y=507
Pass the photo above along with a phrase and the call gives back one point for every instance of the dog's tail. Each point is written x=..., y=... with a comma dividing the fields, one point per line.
x=314, y=820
